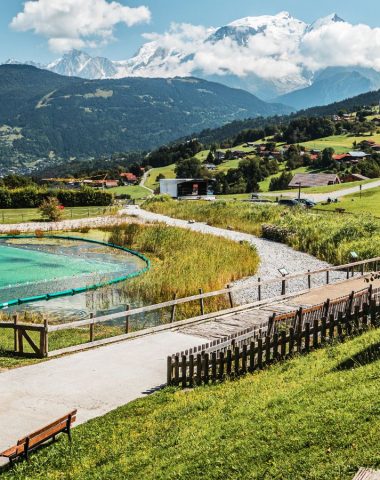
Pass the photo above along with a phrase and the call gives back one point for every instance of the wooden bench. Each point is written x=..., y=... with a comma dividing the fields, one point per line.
x=30, y=442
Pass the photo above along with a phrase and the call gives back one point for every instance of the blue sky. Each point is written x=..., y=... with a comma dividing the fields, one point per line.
x=126, y=40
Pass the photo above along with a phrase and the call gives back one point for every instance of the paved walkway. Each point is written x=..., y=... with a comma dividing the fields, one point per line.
x=95, y=382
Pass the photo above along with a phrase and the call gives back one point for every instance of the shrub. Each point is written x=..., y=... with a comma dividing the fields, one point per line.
x=51, y=209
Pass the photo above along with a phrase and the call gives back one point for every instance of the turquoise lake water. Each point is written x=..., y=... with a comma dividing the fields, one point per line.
x=20, y=266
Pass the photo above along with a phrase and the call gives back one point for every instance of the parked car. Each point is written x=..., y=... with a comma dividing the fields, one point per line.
x=288, y=202
x=306, y=202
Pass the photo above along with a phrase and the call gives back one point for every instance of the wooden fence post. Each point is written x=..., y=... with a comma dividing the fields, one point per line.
x=309, y=280
x=259, y=289
x=230, y=296
x=201, y=302
x=327, y=277
x=172, y=317
x=46, y=337
x=169, y=371
x=92, y=329
x=127, y=308
x=15, y=333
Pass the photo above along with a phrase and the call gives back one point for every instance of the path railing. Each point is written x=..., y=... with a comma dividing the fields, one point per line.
x=363, y=268
x=252, y=352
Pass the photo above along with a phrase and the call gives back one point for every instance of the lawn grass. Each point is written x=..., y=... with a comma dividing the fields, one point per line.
x=135, y=191
x=340, y=143
x=307, y=418
x=153, y=173
x=368, y=202
x=21, y=215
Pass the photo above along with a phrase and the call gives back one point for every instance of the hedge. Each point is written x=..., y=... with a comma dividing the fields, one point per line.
x=32, y=197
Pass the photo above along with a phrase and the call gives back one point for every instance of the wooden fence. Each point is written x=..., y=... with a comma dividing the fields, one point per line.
x=22, y=337
x=252, y=352
x=362, y=268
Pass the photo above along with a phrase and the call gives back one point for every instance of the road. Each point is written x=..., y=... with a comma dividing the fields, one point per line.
x=323, y=197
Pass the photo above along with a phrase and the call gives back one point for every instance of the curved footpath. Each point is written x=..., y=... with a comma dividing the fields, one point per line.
x=272, y=255
x=92, y=381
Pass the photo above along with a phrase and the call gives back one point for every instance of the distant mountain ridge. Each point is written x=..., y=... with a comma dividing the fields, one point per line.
x=300, y=88
x=332, y=85
x=45, y=115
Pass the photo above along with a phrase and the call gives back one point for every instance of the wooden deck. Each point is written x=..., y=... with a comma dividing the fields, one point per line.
x=225, y=325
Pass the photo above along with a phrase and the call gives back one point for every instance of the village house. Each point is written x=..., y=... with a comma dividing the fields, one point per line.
x=128, y=178
x=301, y=180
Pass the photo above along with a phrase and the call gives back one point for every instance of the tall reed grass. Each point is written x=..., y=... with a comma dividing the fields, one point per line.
x=329, y=237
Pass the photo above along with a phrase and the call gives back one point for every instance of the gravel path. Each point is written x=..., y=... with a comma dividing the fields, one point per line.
x=273, y=256
x=63, y=225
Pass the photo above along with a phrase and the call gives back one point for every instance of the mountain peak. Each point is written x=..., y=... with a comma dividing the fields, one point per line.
x=325, y=21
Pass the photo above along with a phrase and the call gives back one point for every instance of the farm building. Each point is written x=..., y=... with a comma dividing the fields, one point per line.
x=186, y=187
x=128, y=178
x=313, y=180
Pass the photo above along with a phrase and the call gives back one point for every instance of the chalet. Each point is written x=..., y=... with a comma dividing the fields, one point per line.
x=313, y=180
x=238, y=154
x=358, y=155
x=128, y=178
x=342, y=157
x=187, y=188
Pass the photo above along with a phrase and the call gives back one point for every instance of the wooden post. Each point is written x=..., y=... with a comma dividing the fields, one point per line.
x=183, y=371
x=259, y=289
x=199, y=369
x=309, y=280
x=169, y=371
x=307, y=337
x=46, y=337
x=127, y=308
x=176, y=370
x=15, y=336
x=251, y=357
x=230, y=296
x=283, y=344
x=191, y=370
x=283, y=287
x=172, y=317
x=328, y=277
x=213, y=367
x=92, y=329
x=201, y=302
x=315, y=333
x=221, y=366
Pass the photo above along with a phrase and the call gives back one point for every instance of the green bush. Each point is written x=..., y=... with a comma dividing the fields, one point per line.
x=32, y=197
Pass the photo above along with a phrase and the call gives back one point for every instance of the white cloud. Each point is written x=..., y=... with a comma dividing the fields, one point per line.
x=279, y=54
x=341, y=44
x=77, y=23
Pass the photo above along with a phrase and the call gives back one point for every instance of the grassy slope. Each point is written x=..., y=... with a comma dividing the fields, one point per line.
x=367, y=202
x=340, y=143
x=303, y=419
x=168, y=171
x=135, y=191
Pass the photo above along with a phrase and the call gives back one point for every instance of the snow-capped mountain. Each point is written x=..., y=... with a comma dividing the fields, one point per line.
x=81, y=64
x=268, y=55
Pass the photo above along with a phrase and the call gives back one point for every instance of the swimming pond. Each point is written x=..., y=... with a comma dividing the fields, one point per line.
x=67, y=277
x=20, y=265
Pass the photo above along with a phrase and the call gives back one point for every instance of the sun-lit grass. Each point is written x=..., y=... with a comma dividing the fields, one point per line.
x=307, y=418
x=168, y=171
x=135, y=191
x=366, y=202
x=183, y=261
x=340, y=143
x=330, y=237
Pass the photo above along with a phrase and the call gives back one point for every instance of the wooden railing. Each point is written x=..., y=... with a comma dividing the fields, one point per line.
x=22, y=337
x=255, y=353
x=363, y=268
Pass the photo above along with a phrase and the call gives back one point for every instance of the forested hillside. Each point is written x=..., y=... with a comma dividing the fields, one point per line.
x=43, y=114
